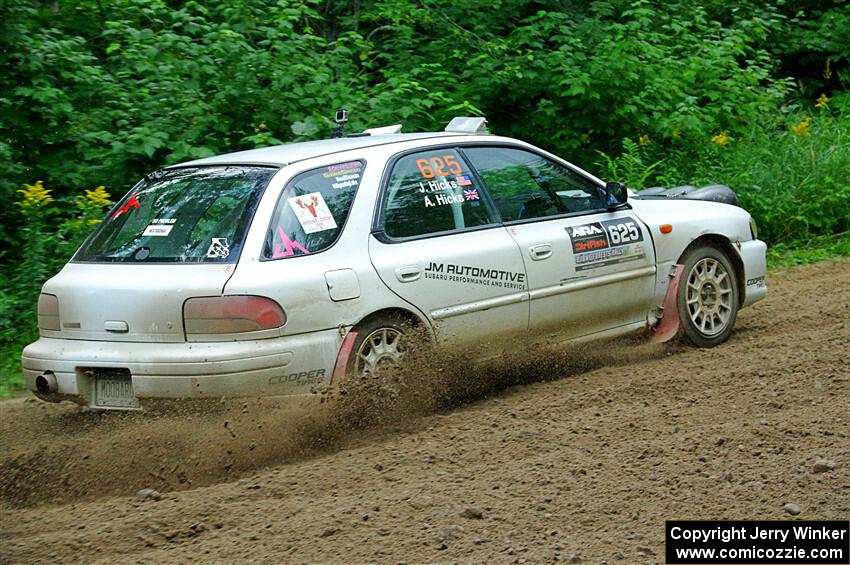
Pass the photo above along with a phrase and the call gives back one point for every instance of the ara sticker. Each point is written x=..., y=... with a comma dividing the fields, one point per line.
x=158, y=230
x=219, y=248
x=312, y=212
x=601, y=244
x=132, y=203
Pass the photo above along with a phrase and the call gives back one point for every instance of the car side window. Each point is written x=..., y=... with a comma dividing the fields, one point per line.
x=527, y=185
x=312, y=210
x=430, y=192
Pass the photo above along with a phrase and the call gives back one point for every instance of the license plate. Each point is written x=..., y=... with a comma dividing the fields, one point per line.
x=114, y=391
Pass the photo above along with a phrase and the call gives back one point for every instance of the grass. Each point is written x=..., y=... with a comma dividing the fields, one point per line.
x=816, y=249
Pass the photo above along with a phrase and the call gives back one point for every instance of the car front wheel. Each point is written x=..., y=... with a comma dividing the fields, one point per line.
x=708, y=296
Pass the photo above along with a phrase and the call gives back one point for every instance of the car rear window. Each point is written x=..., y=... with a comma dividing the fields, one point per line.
x=312, y=210
x=182, y=215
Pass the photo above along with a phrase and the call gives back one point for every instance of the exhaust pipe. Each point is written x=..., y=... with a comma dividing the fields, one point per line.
x=45, y=383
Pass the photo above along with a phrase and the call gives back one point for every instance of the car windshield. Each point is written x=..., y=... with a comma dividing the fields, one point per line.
x=181, y=216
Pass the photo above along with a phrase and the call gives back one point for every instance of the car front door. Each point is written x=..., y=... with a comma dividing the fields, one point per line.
x=438, y=244
x=590, y=269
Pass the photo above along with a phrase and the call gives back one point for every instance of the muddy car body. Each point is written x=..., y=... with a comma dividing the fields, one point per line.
x=277, y=271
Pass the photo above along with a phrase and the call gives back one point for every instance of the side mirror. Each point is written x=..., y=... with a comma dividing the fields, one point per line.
x=616, y=194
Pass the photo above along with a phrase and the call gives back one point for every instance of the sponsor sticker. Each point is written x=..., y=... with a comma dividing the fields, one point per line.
x=343, y=169
x=312, y=212
x=475, y=275
x=219, y=248
x=304, y=378
x=601, y=244
x=158, y=230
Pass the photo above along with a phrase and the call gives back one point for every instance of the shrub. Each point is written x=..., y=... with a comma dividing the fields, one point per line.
x=52, y=230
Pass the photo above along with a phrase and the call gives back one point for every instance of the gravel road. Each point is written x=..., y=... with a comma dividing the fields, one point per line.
x=467, y=468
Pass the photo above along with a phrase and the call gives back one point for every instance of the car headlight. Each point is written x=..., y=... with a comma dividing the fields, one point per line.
x=753, y=228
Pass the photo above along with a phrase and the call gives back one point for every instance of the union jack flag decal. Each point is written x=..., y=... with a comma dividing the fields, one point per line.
x=470, y=194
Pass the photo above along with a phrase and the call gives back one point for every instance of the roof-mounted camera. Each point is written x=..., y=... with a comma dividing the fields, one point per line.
x=341, y=117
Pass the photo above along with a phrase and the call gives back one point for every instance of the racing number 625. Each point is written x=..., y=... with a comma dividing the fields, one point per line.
x=623, y=233
x=436, y=166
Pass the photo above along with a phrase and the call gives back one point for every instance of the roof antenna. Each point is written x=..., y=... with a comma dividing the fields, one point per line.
x=341, y=118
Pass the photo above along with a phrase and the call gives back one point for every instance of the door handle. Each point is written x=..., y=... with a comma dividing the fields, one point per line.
x=408, y=274
x=540, y=252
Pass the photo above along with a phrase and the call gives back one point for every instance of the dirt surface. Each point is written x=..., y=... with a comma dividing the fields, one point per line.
x=460, y=467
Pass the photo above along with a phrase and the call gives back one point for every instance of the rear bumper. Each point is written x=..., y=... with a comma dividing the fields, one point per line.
x=279, y=366
x=754, y=257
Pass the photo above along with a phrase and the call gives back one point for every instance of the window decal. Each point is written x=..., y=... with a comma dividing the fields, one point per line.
x=432, y=191
x=312, y=212
x=157, y=230
x=132, y=203
x=219, y=248
x=289, y=246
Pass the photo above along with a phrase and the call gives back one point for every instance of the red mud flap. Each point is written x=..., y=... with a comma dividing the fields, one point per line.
x=670, y=324
x=342, y=358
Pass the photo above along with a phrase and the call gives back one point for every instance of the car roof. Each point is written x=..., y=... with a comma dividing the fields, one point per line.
x=286, y=154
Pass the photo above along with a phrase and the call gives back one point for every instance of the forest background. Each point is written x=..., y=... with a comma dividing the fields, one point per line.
x=95, y=94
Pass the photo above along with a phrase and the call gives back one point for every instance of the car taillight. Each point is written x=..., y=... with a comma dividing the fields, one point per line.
x=48, y=312
x=231, y=314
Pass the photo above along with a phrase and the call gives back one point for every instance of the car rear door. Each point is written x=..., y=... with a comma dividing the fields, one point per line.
x=438, y=244
x=590, y=269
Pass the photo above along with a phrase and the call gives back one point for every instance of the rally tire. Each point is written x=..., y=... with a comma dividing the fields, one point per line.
x=708, y=297
x=380, y=344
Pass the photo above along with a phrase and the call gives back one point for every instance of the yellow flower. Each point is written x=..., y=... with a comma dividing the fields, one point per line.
x=644, y=140
x=803, y=127
x=676, y=133
x=98, y=197
x=721, y=138
x=823, y=99
x=34, y=196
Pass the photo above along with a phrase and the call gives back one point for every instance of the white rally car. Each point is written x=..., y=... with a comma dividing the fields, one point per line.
x=278, y=271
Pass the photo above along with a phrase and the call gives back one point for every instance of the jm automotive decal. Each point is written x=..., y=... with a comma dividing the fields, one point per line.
x=475, y=275
x=601, y=244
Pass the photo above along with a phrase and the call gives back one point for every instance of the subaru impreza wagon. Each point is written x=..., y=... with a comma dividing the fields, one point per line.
x=282, y=270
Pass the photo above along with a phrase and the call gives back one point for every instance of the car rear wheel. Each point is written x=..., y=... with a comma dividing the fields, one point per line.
x=708, y=296
x=380, y=345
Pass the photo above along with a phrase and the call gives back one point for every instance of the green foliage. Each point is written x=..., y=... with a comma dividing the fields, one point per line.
x=51, y=232
x=630, y=167
x=790, y=174
x=803, y=253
